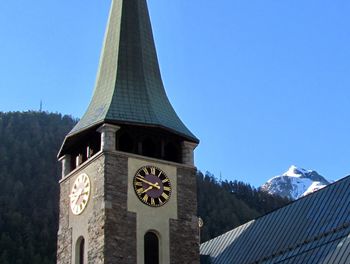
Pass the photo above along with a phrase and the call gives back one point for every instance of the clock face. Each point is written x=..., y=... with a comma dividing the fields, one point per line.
x=80, y=194
x=152, y=186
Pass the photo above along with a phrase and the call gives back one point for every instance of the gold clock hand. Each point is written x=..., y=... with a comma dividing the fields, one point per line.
x=149, y=188
x=149, y=183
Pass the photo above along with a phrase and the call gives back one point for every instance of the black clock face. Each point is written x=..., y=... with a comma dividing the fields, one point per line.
x=152, y=186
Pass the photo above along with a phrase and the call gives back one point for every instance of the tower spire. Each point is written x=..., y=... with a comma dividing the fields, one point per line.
x=128, y=188
x=129, y=87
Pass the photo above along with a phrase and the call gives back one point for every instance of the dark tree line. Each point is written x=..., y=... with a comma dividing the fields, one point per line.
x=29, y=191
x=29, y=175
x=224, y=205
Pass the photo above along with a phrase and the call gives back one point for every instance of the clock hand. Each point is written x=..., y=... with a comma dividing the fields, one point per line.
x=75, y=200
x=149, y=188
x=77, y=195
x=149, y=183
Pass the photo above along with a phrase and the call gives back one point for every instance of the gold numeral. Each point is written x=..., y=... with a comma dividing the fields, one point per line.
x=167, y=188
x=165, y=180
x=153, y=170
x=165, y=196
x=152, y=201
x=146, y=171
x=145, y=198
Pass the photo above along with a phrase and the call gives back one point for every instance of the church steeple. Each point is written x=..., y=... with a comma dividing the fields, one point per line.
x=129, y=89
x=128, y=190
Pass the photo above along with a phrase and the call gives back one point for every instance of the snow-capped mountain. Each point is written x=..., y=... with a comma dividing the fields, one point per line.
x=295, y=183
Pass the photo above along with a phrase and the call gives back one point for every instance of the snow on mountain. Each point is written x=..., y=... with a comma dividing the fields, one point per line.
x=295, y=183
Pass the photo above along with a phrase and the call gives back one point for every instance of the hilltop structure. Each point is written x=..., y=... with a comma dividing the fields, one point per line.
x=128, y=188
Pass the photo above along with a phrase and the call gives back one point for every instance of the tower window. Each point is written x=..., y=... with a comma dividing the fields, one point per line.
x=151, y=248
x=171, y=152
x=126, y=143
x=149, y=148
x=80, y=251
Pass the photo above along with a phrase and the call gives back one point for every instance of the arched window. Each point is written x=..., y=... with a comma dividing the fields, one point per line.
x=151, y=248
x=80, y=251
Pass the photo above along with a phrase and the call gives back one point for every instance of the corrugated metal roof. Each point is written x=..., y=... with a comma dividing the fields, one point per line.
x=313, y=229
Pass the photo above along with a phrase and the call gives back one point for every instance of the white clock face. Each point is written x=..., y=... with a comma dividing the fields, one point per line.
x=80, y=194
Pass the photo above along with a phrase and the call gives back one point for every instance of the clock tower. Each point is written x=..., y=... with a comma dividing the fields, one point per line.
x=128, y=187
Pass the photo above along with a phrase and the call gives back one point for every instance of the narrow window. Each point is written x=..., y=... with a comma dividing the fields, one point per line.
x=151, y=248
x=126, y=143
x=80, y=251
x=171, y=152
x=149, y=148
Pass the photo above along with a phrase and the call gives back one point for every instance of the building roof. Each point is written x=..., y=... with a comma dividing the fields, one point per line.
x=313, y=229
x=129, y=87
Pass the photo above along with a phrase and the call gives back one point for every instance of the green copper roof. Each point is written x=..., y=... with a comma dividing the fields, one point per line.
x=129, y=88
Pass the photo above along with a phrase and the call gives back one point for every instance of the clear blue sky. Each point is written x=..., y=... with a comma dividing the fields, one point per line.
x=263, y=84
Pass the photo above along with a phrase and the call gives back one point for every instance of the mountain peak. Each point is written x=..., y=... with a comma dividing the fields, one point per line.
x=295, y=171
x=295, y=183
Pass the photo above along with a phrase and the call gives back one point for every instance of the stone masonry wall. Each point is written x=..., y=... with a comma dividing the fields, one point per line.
x=120, y=227
x=112, y=229
x=64, y=236
x=184, y=233
x=96, y=222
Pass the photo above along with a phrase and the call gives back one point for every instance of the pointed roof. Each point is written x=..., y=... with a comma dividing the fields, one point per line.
x=129, y=87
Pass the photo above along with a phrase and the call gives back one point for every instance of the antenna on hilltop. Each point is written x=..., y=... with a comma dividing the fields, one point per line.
x=41, y=106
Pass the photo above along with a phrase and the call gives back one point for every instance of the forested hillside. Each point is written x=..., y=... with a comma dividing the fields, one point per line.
x=29, y=175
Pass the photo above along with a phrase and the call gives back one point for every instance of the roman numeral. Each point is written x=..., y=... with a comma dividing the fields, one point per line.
x=153, y=170
x=145, y=198
x=157, y=201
